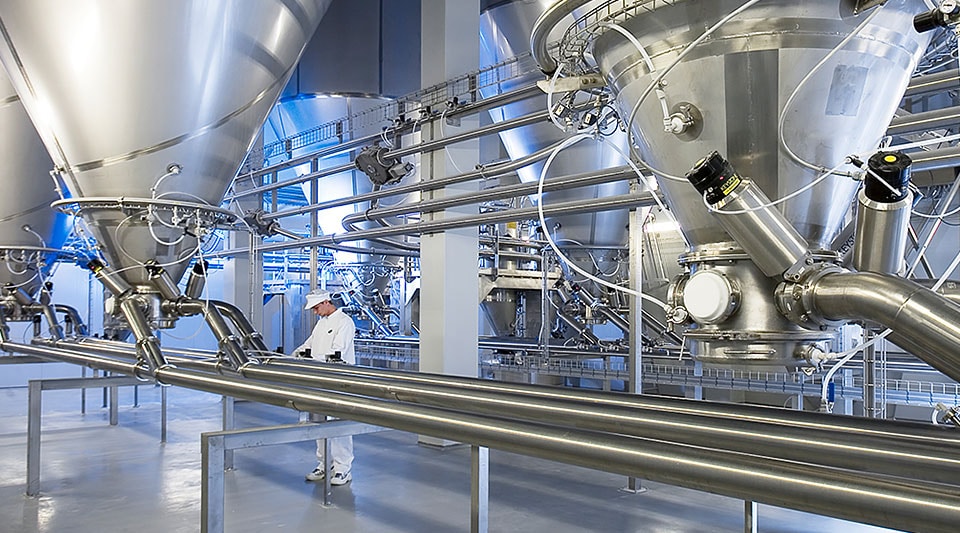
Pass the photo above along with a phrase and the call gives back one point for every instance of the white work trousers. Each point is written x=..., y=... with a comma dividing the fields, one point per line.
x=341, y=453
x=341, y=449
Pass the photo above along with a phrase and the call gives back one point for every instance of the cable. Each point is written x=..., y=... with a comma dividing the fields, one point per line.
x=657, y=81
x=443, y=118
x=556, y=249
x=796, y=90
x=661, y=94
x=778, y=201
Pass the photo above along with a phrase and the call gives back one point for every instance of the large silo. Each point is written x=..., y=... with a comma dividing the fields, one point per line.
x=148, y=108
x=785, y=90
x=30, y=231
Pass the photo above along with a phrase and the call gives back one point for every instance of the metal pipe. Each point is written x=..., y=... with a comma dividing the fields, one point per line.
x=74, y=316
x=53, y=325
x=422, y=186
x=423, y=147
x=501, y=99
x=197, y=280
x=849, y=495
x=148, y=346
x=661, y=328
x=228, y=343
x=883, y=217
x=109, y=279
x=802, y=419
x=925, y=121
x=251, y=337
x=539, y=37
x=611, y=203
x=932, y=83
x=923, y=322
x=936, y=159
x=510, y=191
x=908, y=434
x=800, y=444
x=742, y=209
x=161, y=281
x=929, y=461
x=599, y=307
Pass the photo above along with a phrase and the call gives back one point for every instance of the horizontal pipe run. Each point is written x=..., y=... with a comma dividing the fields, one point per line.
x=933, y=83
x=925, y=121
x=509, y=191
x=928, y=461
x=920, y=433
x=423, y=147
x=908, y=433
x=935, y=160
x=612, y=203
x=848, y=495
x=492, y=102
x=486, y=172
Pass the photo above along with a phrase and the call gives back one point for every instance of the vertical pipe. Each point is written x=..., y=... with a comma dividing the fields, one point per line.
x=229, y=422
x=479, y=488
x=34, y=410
x=211, y=483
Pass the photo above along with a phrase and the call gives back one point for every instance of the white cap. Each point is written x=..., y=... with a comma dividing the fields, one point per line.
x=317, y=297
x=709, y=297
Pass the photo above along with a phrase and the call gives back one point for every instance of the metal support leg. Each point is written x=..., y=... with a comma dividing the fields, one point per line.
x=228, y=423
x=634, y=486
x=163, y=414
x=328, y=472
x=34, y=395
x=211, y=483
x=749, y=517
x=114, y=405
x=215, y=446
x=479, y=488
x=136, y=396
x=83, y=392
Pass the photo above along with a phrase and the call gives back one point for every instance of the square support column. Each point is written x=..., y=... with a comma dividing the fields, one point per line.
x=449, y=285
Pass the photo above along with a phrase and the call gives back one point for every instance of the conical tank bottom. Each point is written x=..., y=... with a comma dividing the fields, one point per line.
x=744, y=76
x=120, y=91
x=505, y=33
x=28, y=192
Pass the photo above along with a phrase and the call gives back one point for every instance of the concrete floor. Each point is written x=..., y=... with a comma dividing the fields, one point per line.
x=98, y=478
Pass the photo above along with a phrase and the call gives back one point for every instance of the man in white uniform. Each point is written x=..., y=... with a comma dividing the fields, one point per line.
x=331, y=337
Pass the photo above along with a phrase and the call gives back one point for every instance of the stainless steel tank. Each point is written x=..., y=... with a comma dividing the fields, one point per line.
x=505, y=33
x=739, y=82
x=28, y=191
x=340, y=80
x=123, y=92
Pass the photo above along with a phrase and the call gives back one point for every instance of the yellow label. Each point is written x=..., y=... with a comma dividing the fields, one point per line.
x=890, y=158
x=730, y=185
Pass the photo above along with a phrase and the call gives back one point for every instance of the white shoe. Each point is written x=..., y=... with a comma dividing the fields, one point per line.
x=317, y=474
x=339, y=478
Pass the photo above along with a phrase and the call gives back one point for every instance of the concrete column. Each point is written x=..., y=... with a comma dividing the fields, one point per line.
x=449, y=284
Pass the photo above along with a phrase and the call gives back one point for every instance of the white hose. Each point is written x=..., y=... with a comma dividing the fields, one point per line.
x=556, y=249
x=819, y=65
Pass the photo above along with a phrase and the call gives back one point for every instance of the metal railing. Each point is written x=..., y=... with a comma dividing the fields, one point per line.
x=897, y=391
x=464, y=89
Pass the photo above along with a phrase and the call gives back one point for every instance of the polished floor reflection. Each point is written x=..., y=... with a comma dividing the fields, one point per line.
x=98, y=478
